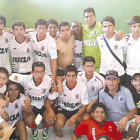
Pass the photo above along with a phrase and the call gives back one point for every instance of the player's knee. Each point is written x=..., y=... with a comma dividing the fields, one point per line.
x=133, y=126
x=59, y=124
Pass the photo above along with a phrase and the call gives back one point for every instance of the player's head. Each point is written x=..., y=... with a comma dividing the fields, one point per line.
x=89, y=17
x=70, y=72
x=38, y=71
x=103, y=137
x=64, y=30
x=108, y=25
x=13, y=90
x=98, y=112
x=52, y=27
x=41, y=27
x=2, y=23
x=134, y=25
x=4, y=75
x=136, y=80
x=89, y=65
x=18, y=28
x=112, y=79
x=76, y=27
x=2, y=101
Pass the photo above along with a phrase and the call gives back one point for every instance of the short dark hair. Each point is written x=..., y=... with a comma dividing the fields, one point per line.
x=2, y=96
x=38, y=64
x=41, y=21
x=5, y=71
x=134, y=20
x=108, y=18
x=103, y=136
x=70, y=68
x=64, y=23
x=52, y=21
x=18, y=23
x=89, y=9
x=3, y=19
x=98, y=104
x=88, y=59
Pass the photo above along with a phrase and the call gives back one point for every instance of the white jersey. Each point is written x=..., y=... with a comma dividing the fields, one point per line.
x=71, y=100
x=132, y=55
x=14, y=109
x=93, y=85
x=44, y=50
x=3, y=89
x=108, y=61
x=1, y=120
x=4, y=53
x=22, y=56
x=77, y=54
x=37, y=94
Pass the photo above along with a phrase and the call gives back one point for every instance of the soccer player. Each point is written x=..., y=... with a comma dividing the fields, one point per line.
x=52, y=28
x=118, y=101
x=90, y=33
x=4, y=75
x=14, y=110
x=65, y=45
x=4, y=39
x=71, y=104
x=44, y=47
x=20, y=50
x=97, y=126
x=92, y=79
x=38, y=86
x=133, y=49
x=108, y=61
x=77, y=32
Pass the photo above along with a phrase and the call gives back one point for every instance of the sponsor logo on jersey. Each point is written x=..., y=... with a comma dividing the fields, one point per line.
x=70, y=105
x=3, y=50
x=120, y=98
x=21, y=59
x=38, y=53
x=90, y=43
x=14, y=117
x=33, y=98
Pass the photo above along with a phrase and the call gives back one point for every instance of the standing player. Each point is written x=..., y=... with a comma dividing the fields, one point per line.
x=44, y=47
x=14, y=110
x=71, y=103
x=92, y=79
x=37, y=86
x=77, y=32
x=4, y=39
x=20, y=50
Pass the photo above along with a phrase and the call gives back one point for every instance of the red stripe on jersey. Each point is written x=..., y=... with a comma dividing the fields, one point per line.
x=42, y=39
x=22, y=41
x=74, y=86
x=13, y=100
x=99, y=79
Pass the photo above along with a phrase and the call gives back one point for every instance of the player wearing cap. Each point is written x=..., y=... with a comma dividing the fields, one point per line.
x=133, y=49
x=92, y=79
x=14, y=110
x=71, y=104
x=20, y=50
x=38, y=86
x=118, y=101
x=4, y=39
x=44, y=47
x=108, y=61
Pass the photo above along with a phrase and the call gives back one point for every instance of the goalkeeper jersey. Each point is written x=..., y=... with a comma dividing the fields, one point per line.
x=90, y=45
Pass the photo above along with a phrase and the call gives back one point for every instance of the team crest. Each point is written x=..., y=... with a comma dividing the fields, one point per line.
x=129, y=44
x=77, y=96
x=16, y=105
x=42, y=48
x=94, y=33
x=44, y=91
x=64, y=94
x=16, y=78
x=6, y=40
x=115, y=47
x=92, y=88
x=28, y=50
x=110, y=128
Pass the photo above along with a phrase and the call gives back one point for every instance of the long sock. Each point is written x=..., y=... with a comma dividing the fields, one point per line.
x=33, y=125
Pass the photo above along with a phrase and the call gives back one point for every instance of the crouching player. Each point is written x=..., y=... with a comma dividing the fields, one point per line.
x=14, y=110
x=71, y=104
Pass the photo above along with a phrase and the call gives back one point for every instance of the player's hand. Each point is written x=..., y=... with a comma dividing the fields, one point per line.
x=122, y=124
x=27, y=38
x=27, y=100
x=60, y=84
x=7, y=98
x=137, y=118
x=72, y=121
x=9, y=30
x=51, y=117
x=119, y=35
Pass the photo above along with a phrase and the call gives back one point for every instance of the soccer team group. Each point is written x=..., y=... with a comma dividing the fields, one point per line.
x=84, y=76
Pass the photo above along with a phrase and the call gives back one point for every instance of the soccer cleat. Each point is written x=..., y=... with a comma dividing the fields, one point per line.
x=45, y=133
x=35, y=134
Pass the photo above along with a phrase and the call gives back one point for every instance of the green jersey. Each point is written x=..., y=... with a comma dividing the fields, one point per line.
x=90, y=45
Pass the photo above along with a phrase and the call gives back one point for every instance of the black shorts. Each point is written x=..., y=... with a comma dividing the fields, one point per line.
x=37, y=111
x=60, y=72
x=13, y=136
x=67, y=114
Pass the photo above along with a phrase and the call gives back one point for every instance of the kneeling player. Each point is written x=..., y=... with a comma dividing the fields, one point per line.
x=71, y=103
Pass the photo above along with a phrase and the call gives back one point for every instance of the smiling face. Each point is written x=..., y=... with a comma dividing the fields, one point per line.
x=52, y=29
x=136, y=83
